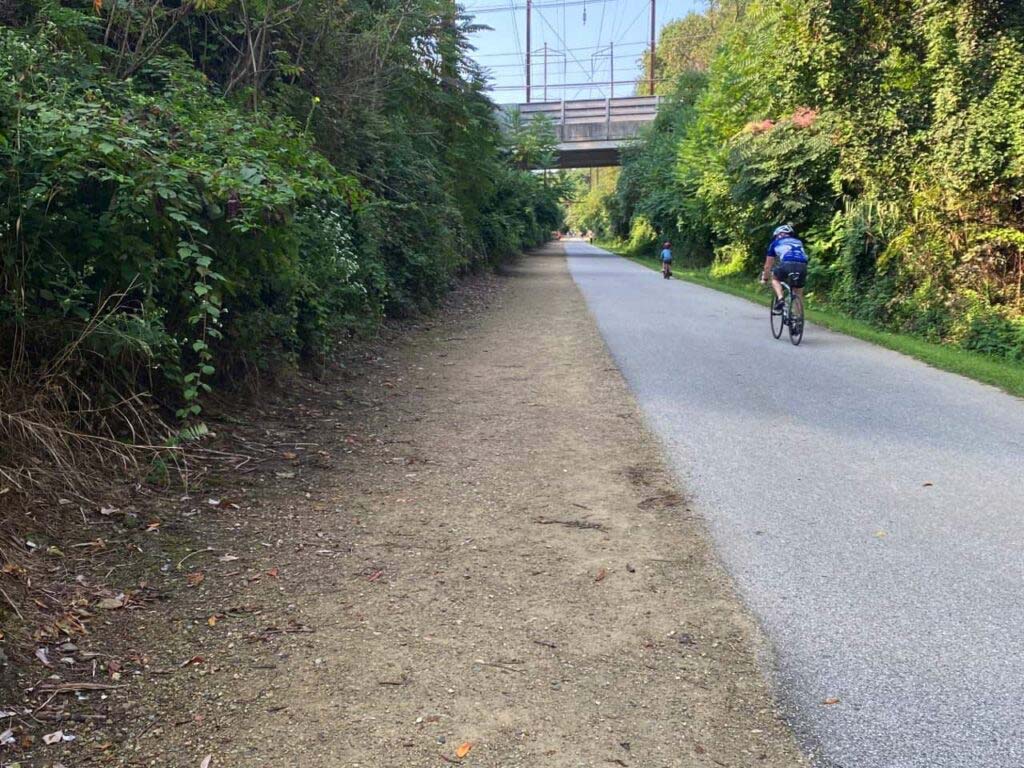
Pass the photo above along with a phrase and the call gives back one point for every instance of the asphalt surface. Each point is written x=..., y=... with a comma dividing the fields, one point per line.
x=869, y=507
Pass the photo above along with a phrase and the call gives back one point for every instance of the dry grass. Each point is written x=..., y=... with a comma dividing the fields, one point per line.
x=53, y=447
x=55, y=442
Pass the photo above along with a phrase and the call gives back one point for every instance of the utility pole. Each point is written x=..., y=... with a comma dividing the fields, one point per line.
x=545, y=72
x=529, y=43
x=653, y=32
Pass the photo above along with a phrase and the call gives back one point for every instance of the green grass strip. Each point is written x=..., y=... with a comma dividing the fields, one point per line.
x=1004, y=374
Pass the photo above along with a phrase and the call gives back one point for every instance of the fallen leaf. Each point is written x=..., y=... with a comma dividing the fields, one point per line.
x=153, y=525
x=196, y=578
x=375, y=575
x=228, y=558
x=212, y=621
x=284, y=475
x=601, y=574
x=107, y=511
x=53, y=738
x=463, y=749
x=880, y=534
x=927, y=485
x=7, y=737
x=43, y=657
x=206, y=761
x=193, y=660
x=830, y=701
x=273, y=573
x=290, y=455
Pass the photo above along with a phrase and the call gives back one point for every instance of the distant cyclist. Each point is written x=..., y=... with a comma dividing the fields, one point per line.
x=666, y=260
x=786, y=260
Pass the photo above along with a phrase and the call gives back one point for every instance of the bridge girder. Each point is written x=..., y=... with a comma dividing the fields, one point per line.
x=591, y=132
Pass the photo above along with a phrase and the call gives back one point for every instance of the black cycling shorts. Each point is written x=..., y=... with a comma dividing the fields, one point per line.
x=792, y=272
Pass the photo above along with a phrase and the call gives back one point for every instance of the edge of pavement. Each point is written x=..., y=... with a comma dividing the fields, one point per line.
x=467, y=548
x=763, y=647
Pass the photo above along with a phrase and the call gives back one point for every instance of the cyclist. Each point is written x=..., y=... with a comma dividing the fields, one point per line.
x=788, y=250
x=666, y=260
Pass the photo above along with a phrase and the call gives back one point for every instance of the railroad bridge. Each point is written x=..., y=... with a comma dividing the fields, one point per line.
x=592, y=131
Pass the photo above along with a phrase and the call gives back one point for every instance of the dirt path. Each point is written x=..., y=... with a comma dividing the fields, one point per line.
x=498, y=557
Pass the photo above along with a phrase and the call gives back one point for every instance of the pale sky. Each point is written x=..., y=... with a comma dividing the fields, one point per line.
x=578, y=54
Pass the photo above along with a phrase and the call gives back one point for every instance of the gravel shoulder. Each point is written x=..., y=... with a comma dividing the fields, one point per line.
x=471, y=541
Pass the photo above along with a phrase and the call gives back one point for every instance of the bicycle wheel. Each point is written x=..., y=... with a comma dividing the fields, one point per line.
x=777, y=323
x=796, y=321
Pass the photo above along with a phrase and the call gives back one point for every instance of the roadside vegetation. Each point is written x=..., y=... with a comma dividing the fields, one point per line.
x=890, y=134
x=211, y=194
x=199, y=200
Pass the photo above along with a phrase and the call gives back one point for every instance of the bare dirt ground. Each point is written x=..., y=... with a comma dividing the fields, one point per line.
x=467, y=550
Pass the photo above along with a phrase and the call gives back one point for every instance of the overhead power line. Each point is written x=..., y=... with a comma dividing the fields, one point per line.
x=577, y=49
x=554, y=51
x=591, y=84
x=519, y=48
x=636, y=18
x=536, y=6
x=565, y=45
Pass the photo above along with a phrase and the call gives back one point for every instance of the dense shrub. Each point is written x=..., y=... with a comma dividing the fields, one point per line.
x=890, y=134
x=178, y=224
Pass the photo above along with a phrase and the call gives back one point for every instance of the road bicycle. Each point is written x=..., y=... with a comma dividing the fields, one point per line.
x=791, y=315
x=666, y=269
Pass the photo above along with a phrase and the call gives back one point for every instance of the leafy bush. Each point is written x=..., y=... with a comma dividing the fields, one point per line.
x=181, y=208
x=161, y=198
x=891, y=134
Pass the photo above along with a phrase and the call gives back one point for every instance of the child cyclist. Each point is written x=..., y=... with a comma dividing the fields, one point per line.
x=666, y=260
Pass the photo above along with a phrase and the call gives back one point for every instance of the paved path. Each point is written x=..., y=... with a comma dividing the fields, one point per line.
x=870, y=508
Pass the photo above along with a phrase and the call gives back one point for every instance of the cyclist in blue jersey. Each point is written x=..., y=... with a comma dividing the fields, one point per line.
x=666, y=260
x=786, y=260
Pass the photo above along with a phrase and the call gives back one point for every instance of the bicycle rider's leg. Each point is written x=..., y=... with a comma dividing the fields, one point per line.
x=800, y=291
x=777, y=275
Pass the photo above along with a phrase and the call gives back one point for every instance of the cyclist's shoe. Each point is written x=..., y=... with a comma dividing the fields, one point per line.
x=779, y=305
